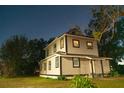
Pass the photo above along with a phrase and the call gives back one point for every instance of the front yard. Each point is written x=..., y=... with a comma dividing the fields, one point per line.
x=37, y=82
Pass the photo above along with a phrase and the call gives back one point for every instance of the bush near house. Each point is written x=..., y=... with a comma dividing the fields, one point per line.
x=62, y=77
x=120, y=69
x=114, y=73
x=82, y=82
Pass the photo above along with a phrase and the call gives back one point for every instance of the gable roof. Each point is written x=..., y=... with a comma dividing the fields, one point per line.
x=75, y=31
x=54, y=40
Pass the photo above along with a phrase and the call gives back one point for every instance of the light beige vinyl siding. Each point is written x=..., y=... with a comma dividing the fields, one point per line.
x=54, y=70
x=85, y=66
x=97, y=67
x=58, y=49
x=68, y=69
x=83, y=47
x=106, y=66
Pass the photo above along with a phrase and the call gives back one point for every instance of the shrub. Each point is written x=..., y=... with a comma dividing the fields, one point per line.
x=82, y=82
x=120, y=69
x=62, y=77
x=114, y=73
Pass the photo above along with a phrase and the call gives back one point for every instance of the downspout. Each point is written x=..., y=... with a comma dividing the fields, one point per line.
x=92, y=68
x=60, y=66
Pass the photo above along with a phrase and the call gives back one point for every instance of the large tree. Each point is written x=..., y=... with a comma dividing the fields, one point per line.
x=21, y=56
x=36, y=53
x=14, y=54
x=106, y=27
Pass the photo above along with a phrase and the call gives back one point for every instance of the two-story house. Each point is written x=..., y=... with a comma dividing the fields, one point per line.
x=73, y=54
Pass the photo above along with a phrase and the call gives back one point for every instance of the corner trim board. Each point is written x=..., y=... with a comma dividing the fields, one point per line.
x=92, y=68
x=66, y=44
x=102, y=68
x=60, y=65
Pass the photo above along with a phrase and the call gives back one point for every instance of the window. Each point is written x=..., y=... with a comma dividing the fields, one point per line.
x=61, y=43
x=76, y=62
x=57, y=62
x=41, y=67
x=54, y=48
x=49, y=65
x=47, y=52
x=45, y=66
x=76, y=43
x=89, y=45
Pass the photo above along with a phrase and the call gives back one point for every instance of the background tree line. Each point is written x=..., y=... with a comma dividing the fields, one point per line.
x=20, y=56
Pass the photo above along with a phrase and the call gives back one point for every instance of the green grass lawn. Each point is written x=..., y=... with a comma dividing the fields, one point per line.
x=117, y=82
x=37, y=82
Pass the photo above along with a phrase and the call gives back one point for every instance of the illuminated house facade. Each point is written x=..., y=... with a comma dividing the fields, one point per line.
x=73, y=54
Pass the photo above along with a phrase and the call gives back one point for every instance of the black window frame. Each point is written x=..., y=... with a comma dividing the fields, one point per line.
x=54, y=48
x=57, y=62
x=61, y=45
x=74, y=44
x=45, y=66
x=73, y=62
x=49, y=65
x=89, y=47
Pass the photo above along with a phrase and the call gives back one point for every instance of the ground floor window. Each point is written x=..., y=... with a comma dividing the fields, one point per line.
x=45, y=66
x=49, y=65
x=57, y=62
x=76, y=62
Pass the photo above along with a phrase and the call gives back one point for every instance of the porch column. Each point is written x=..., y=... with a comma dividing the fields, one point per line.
x=92, y=68
x=102, y=68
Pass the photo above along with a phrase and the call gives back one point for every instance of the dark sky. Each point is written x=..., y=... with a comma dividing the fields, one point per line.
x=41, y=21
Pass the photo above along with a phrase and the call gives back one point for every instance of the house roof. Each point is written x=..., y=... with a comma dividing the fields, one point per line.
x=76, y=32
x=54, y=40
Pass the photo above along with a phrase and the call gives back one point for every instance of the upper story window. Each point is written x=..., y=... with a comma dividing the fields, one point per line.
x=57, y=62
x=76, y=43
x=49, y=65
x=61, y=43
x=76, y=62
x=89, y=44
x=54, y=48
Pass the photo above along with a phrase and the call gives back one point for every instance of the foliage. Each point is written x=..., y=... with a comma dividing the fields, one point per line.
x=82, y=82
x=110, y=45
x=14, y=53
x=36, y=54
x=61, y=77
x=114, y=73
x=50, y=40
x=21, y=56
x=104, y=19
x=120, y=69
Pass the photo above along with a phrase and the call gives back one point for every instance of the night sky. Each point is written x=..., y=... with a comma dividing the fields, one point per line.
x=41, y=21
